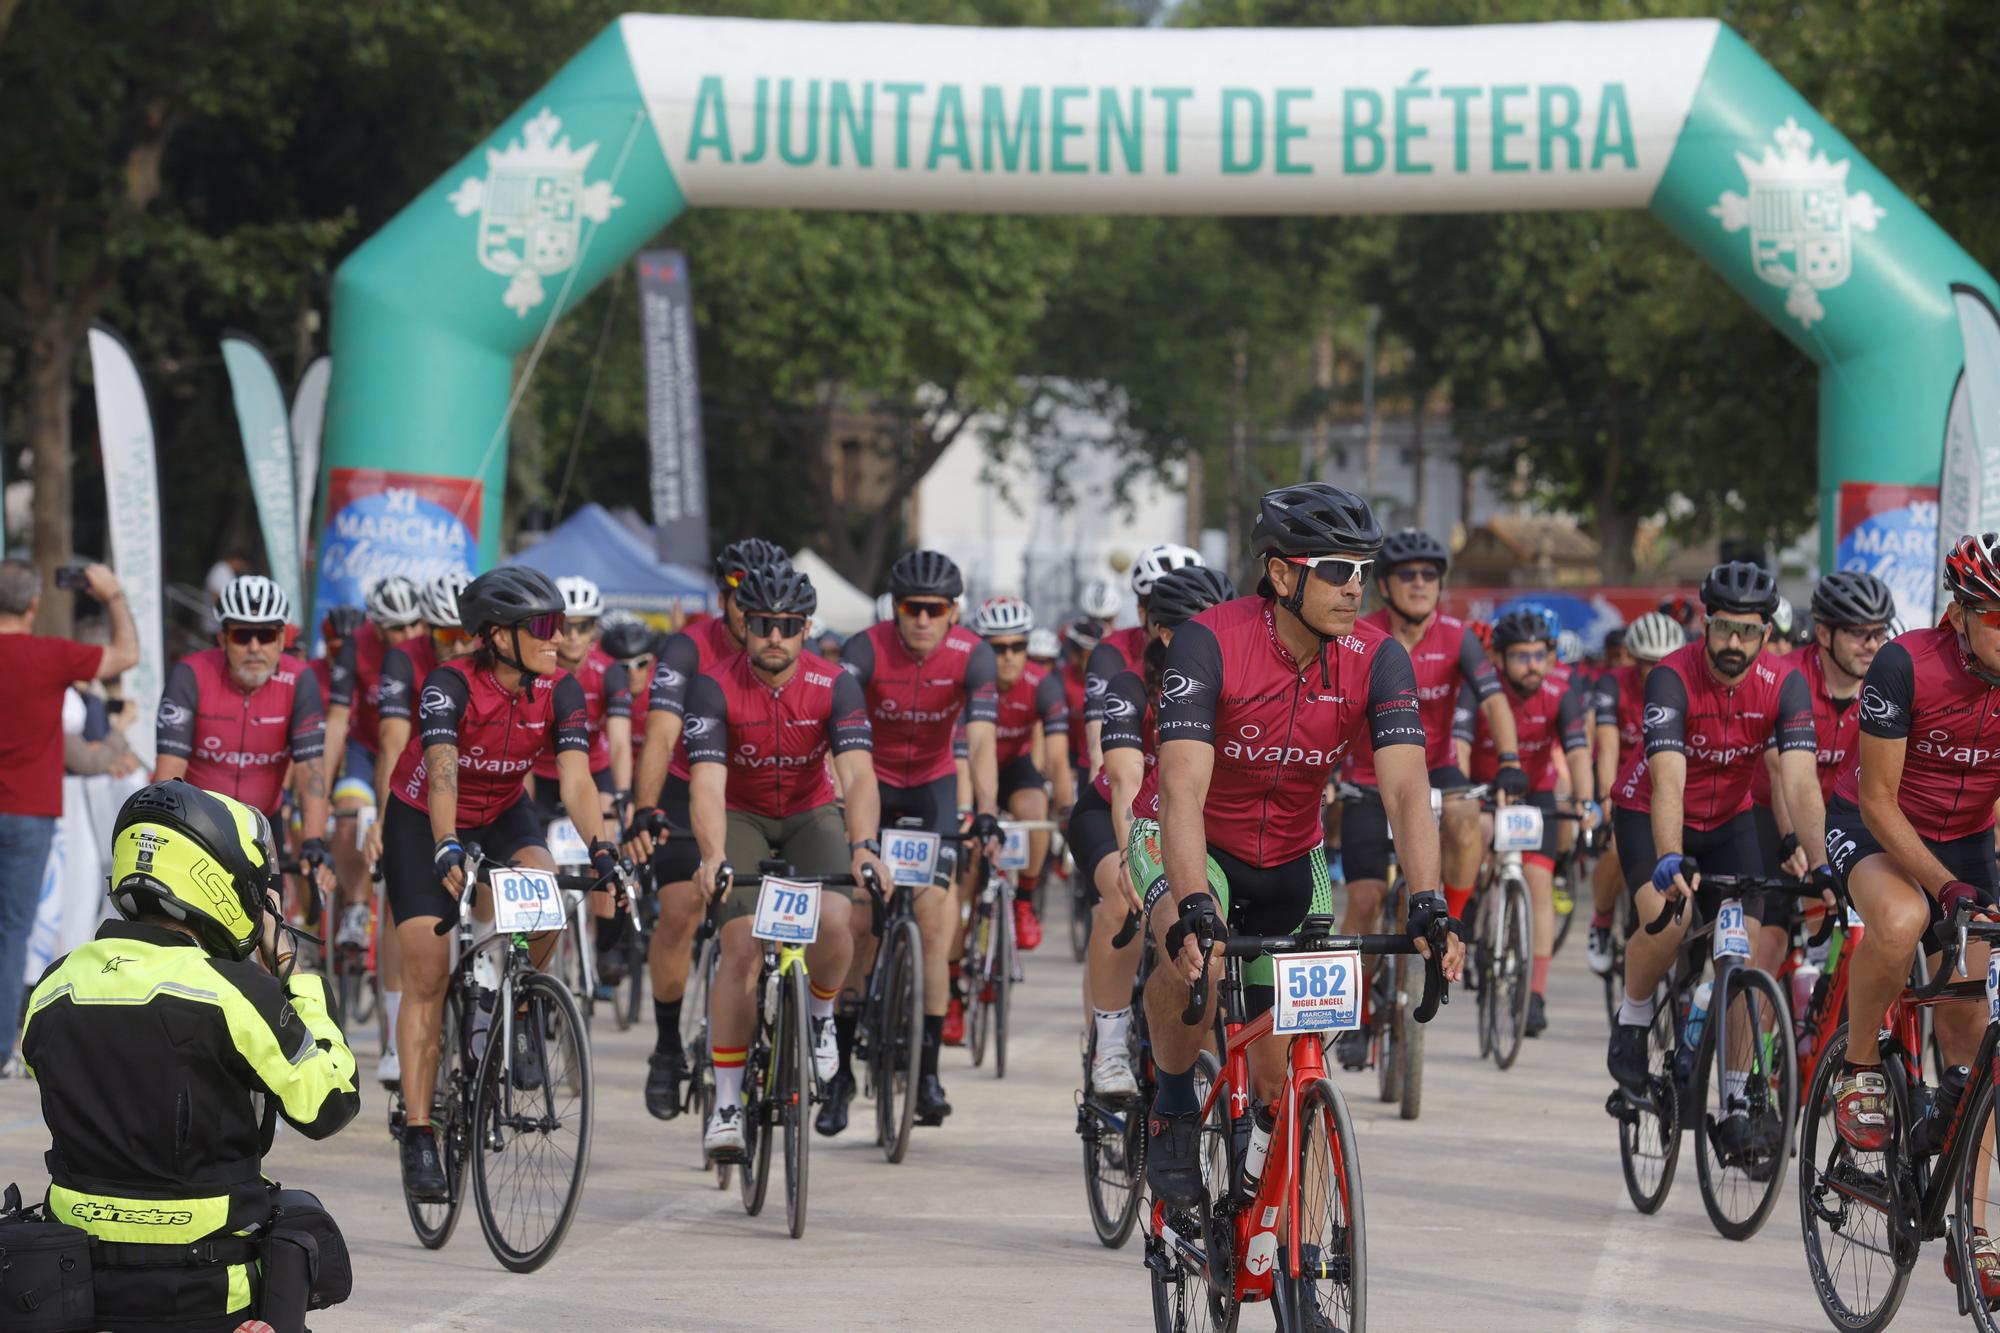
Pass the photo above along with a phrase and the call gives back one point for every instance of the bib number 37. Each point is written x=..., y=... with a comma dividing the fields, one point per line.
x=1732, y=935
x=1318, y=992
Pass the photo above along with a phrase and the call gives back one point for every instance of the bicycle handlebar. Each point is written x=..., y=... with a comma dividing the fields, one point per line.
x=1315, y=937
x=480, y=871
x=1956, y=928
x=1126, y=931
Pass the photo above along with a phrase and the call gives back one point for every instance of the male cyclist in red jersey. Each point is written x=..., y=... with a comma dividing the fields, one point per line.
x=481, y=720
x=661, y=790
x=1444, y=654
x=607, y=693
x=354, y=695
x=336, y=627
x=237, y=717
x=918, y=671
x=1079, y=635
x=1711, y=710
x=1261, y=698
x=1126, y=792
x=632, y=643
x=1617, y=709
x=1119, y=649
x=762, y=728
x=1548, y=723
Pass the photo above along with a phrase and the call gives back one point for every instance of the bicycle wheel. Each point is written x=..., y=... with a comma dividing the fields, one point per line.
x=1331, y=1289
x=1184, y=1301
x=1513, y=971
x=694, y=1041
x=1480, y=973
x=979, y=1004
x=1114, y=1151
x=1410, y=994
x=434, y=1222
x=894, y=1056
x=1978, y=1179
x=1003, y=985
x=1742, y=1170
x=1388, y=1027
x=1614, y=980
x=760, y=1088
x=1845, y=1206
x=795, y=1093
x=1649, y=1137
x=532, y=1144
x=1573, y=887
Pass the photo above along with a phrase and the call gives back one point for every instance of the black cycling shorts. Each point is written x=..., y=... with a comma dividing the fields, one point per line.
x=547, y=794
x=1092, y=837
x=407, y=844
x=1780, y=909
x=934, y=804
x=676, y=859
x=1019, y=774
x=1271, y=900
x=1730, y=848
x=1849, y=843
x=1545, y=801
x=1365, y=845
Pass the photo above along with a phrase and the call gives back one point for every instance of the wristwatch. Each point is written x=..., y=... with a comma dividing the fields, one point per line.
x=869, y=845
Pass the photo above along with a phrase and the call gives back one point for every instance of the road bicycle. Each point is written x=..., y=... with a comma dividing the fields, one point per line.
x=698, y=1096
x=1293, y=1232
x=890, y=1021
x=992, y=963
x=1113, y=1129
x=1396, y=1039
x=1503, y=951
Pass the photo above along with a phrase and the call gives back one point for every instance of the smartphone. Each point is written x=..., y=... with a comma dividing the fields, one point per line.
x=114, y=706
x=71, y=576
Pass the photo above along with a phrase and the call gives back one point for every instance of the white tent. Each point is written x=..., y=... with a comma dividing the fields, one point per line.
x=843, y=608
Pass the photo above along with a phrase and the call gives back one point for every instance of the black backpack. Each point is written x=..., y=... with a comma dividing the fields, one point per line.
x=44, y=1272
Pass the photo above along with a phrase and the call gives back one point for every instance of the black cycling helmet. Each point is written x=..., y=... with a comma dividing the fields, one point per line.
x=1182, y=594
x=1524, y=624
x=1850, y=597
x=1614, y=638
x=1740, y=586
x=739, y=558
x=1314, y=519
x=776, y=590
x=340, y=622
x=509, y=595
x=925, y=574
x=625, y=636
x=1409, y=547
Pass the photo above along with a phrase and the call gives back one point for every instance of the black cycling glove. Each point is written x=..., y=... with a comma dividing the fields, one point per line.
x=313, y=854
x=1197, y=918
x=985, y=826
x=1512, y=781
x=447, y=856
x=604, y=857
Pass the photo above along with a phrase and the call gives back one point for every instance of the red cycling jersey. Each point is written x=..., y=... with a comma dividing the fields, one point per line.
x=236, y=743
x=1073, y=699
x=913, y=702
x=607, y=692
x=1119, y=651
x=497, y=731
x=640, y=687
x=1130, y=723
x=404, y=669
x=698, y=648
x=1722, y=729
x=1836, y=723
x=1278, y=730
x=1549, y=719
x=1448, y=655
x=1919, y=690
x=1620, y=700
x=1037, y=696
x=776, y=741
x=355, y=683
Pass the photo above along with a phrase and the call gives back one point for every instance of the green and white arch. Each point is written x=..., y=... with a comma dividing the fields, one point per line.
x=659, y=114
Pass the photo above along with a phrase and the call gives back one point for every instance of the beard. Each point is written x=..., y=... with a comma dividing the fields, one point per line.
x=250, y=678
x=1730, y=661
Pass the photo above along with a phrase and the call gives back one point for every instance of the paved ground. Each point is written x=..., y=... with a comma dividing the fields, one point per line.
x=1502, y=1209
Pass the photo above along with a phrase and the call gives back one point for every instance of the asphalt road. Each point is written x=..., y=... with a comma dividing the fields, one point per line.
x=1501, y=1209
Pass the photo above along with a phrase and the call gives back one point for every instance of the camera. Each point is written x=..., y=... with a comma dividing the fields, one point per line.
x=71, y=576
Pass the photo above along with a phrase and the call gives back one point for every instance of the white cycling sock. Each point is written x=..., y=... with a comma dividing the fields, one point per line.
x=1111, y=1028
x=392, y=1004
x=1735, y=1085
x=821, y=1008
x=1636, y=1013
x=728, y=1085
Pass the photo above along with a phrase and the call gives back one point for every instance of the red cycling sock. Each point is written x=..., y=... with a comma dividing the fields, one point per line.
x=1538, y=977
x=1455, y=901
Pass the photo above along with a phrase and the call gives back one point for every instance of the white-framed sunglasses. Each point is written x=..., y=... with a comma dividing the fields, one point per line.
x=1338, y=570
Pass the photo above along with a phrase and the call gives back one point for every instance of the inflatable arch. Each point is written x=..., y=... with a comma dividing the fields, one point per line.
x=660, y=113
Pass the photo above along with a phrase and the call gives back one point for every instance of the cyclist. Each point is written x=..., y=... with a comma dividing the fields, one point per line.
x=155, y=1047
x=918, y=671
x=1031, y=737
x=1546, y=719
x=1851, y=612
x=1711, y=710
x=237, y=717
x=462, y=778
x=631, y=642
x=607, y=695
x=662, y=791
x=1617, y=710
x=1119, y=650
x=1615, y=653
x=1099, y=599
x=349, y=796
x=1044, y=649
x=1781, y=629
x=405, y=667
x=1260, y=699
x=761, y=728
x=1100, y=829
x=1079, y=635
x=1409, y=579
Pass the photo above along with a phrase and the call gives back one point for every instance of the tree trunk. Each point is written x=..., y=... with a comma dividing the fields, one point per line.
x=1613, y=524
x=51, y=373
x=1418, y=463
x=1196, y=493
x=1239, y=447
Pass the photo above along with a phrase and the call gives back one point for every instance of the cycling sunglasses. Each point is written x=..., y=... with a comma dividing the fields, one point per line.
x=1418, y=574
x=1527, y=656
x=1009, y=648
x=775, y=627
x=245, y=635
x=544, y=626
x=1988, y=616
x=916, y=608
x=586, y=626
x=1338, y=570
x=450, y=634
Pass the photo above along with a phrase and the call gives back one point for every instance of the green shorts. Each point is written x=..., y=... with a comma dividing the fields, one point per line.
x=813, y=841
x=1276, y=900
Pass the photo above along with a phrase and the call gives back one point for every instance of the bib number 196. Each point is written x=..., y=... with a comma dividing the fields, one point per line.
x=1318, y=992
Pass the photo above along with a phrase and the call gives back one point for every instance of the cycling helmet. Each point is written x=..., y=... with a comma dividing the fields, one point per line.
x=1683, y=610
x=392, y=603
x=1002, y=615
x=1524, y=624
x=1314, y=519
x=1082, y=631
x=440, y=599
x=1157, y=561
x=1099, y=600
x=202, y=858
x=1781, y=617
x=581, y=599
x=252, y=599
x=925, y=574
x=1850, y=597
x=1409, y=547
x=739, y=558
x=1043, y=646
x=1569, y=647
x=885, y=608
x=1482, y=630
x=509, y=595
x=1972, y=570
x=340, y=622
x=1654, y=635
x=1614, y=638
x=625, y=635
x=1185, y=593
x=776, y=590
x=1740, y=586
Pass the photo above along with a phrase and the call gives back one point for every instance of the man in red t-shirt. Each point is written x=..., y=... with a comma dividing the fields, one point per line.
x=38, y=670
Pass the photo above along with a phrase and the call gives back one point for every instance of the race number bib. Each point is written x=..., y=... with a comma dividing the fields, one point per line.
x=1014, y=850
x=787, y=912
x=1993, y=985
x=566, y=844
x=912, y=856
x=526, y=901
x=1318, y=992
x=1517, y=828
x=1732, y=937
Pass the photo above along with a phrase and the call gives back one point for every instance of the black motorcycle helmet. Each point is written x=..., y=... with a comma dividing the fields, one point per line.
x=777, y=590
x=1180, y=595
x=1850, y=597
x=925, y=574
x=1741, y=587
x=738, y=558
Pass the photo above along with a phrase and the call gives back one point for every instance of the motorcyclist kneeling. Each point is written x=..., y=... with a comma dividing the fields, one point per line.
x=150, y=1044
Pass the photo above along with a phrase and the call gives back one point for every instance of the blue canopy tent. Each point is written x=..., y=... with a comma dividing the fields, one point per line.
x=623, y=564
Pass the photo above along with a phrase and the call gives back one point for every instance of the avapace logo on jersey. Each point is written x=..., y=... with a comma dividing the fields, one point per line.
x=1247, y=746
x=477, y=761
x=1939, y=745
x=889, y=709
x=212, y=751
x=1698, y=748
x=748, y=756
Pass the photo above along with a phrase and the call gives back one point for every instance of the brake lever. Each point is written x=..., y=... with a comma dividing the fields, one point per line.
x=1197, y=1005
x=1437, y=990
x=1126, y=931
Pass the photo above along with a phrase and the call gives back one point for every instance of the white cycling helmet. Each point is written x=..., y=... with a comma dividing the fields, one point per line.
x=1569, y=647
x=885, y=607
x=1043, y=646
x=440, y=599
x=394, y=602
x=1003, y=615
x=581, y=598
x=1781, y=619
x=252, y=599
x=1156, y=561
x=1654, y=635
x=1099, y=599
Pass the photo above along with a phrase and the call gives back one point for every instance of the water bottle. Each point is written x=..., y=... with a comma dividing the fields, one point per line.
x=1697, y=1019
x=1257, y=1151
x=1805, y=979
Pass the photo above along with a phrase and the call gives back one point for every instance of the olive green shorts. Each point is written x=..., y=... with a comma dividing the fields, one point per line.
x=813, y=841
